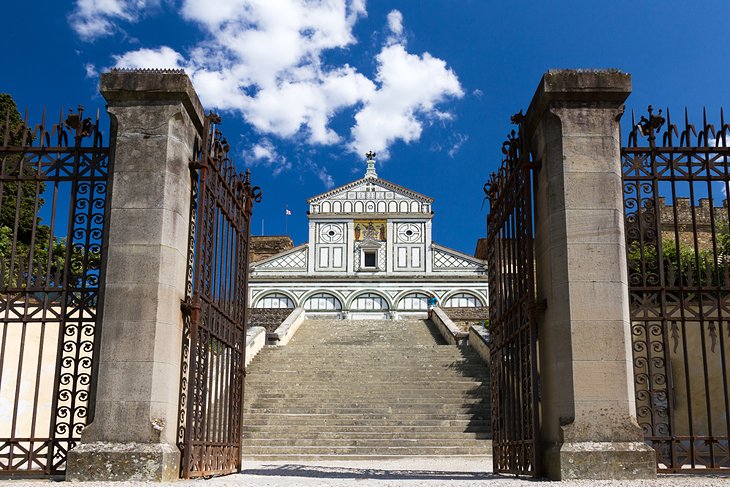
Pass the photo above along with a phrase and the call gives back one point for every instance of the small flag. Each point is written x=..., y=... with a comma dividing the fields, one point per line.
x=288, y=212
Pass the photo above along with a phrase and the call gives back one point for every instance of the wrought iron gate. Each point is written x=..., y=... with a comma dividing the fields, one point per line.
x=678, y=245
x=53, y=191
x=512, y=310
x=214, y=335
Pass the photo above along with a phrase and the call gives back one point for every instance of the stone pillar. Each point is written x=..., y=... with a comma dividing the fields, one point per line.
x=156, y=117
x=588, y=413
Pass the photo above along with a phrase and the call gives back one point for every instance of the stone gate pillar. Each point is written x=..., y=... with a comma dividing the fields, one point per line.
x=155, y=117
x=588, y=414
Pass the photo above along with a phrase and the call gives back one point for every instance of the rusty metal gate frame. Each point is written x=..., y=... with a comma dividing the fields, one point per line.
x=680, y=306
x=512, y=321
x=214, y=310
x=54, y=301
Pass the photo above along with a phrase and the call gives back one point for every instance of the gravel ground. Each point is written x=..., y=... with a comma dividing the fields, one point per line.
x=427, y=472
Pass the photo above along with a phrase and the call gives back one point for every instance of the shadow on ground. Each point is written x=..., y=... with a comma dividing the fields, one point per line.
x=322, y=472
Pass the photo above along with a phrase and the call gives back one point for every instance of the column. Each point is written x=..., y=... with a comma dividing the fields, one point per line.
x=589, y=428
x=156, y=116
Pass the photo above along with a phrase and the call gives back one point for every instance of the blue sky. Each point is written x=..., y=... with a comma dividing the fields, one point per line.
x=305, y=88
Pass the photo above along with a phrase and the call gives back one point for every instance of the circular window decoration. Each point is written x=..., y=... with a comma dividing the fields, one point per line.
x=409, y=232
x=330, y=233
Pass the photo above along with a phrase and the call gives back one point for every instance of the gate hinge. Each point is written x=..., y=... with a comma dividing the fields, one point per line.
x=187, y=306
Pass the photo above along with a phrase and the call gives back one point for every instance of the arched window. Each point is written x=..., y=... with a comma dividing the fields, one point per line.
x=322, y=302
x=463, y=300
x=369, y=302
x=275, y=300
x=413, y=302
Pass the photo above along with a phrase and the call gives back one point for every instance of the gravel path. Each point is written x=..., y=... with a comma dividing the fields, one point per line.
x=427, y=472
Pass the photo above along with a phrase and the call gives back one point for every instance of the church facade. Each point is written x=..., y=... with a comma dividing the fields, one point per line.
x=370, y=254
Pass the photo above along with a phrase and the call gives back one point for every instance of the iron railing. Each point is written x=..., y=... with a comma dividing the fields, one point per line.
x=53, y=184
x=678, y=249
x=215, y=309
x=510, y=267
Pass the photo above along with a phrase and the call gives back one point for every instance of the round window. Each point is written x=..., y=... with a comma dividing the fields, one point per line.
x=409, y=232
x=331, y=233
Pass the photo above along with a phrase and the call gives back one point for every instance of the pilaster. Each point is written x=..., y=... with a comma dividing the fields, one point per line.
x=588, y=424
x=156, y=117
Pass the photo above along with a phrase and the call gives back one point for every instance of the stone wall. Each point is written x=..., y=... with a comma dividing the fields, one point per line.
x=478, y=314
x=702, y=217
x=269, y=318
x=264, y=247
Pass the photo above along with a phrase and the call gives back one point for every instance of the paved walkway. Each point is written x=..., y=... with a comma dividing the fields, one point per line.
x=427, y=472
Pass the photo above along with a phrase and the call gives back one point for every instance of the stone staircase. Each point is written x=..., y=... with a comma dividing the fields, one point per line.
x=364, y=389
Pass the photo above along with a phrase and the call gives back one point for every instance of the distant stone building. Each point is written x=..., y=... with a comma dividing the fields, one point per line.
x=700, y=216
x=268, y=246
x=370, y=254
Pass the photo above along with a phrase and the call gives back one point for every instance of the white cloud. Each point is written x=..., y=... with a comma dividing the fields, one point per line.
x=395, y=24
x=326, y=179
x=410, y=88
x=264, y=153
x=163, y=57
x=91, y=71
x=460, y=139
x=265, y=59
x=97, y=18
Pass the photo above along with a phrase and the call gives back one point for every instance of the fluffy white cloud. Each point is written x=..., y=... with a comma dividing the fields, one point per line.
x=395, y=24
x=265, y=59
x=264, y=153
x=97, y=18
x=163, y=57
x=410, y=88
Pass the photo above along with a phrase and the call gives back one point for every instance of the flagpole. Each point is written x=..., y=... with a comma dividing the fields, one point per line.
x=286, y=221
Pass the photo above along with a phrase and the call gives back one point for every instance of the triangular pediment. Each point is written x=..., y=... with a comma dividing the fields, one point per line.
x=290, y=260
x=360, y=189
x=446, y=259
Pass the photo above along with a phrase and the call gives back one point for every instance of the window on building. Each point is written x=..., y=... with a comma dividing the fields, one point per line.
x=370, y=258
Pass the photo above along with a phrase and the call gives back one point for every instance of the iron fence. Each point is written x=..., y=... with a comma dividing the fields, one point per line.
x=215, y=308
x=53, y=184
x=678, y=251
x=510, y=267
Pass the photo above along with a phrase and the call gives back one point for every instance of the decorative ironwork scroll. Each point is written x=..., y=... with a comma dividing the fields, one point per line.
x=214, y=335
x=510, y=266
x=53, y=185
x=675, y=181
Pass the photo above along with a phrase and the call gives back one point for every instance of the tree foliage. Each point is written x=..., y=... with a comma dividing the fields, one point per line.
x=683, y=265
x=38, y=256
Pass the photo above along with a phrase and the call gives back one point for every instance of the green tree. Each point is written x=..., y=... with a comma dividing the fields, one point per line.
x=38, y=254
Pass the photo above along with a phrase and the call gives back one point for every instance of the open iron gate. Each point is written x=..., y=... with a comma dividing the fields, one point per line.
x=53, y=188
x=214, y=334
x=678, y=249
x=513, y=354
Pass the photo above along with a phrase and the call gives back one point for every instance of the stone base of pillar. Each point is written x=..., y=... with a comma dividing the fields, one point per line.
x=155, y=462
x=600, y=461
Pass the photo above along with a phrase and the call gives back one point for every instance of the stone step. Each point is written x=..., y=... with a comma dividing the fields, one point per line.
x=357, y=442
x=384, y=424
x=258, y=450
x=486, y=457
x=371, y=410
x=349, y=402
x=349, y=390
x=413, y=432
x=416, y=395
